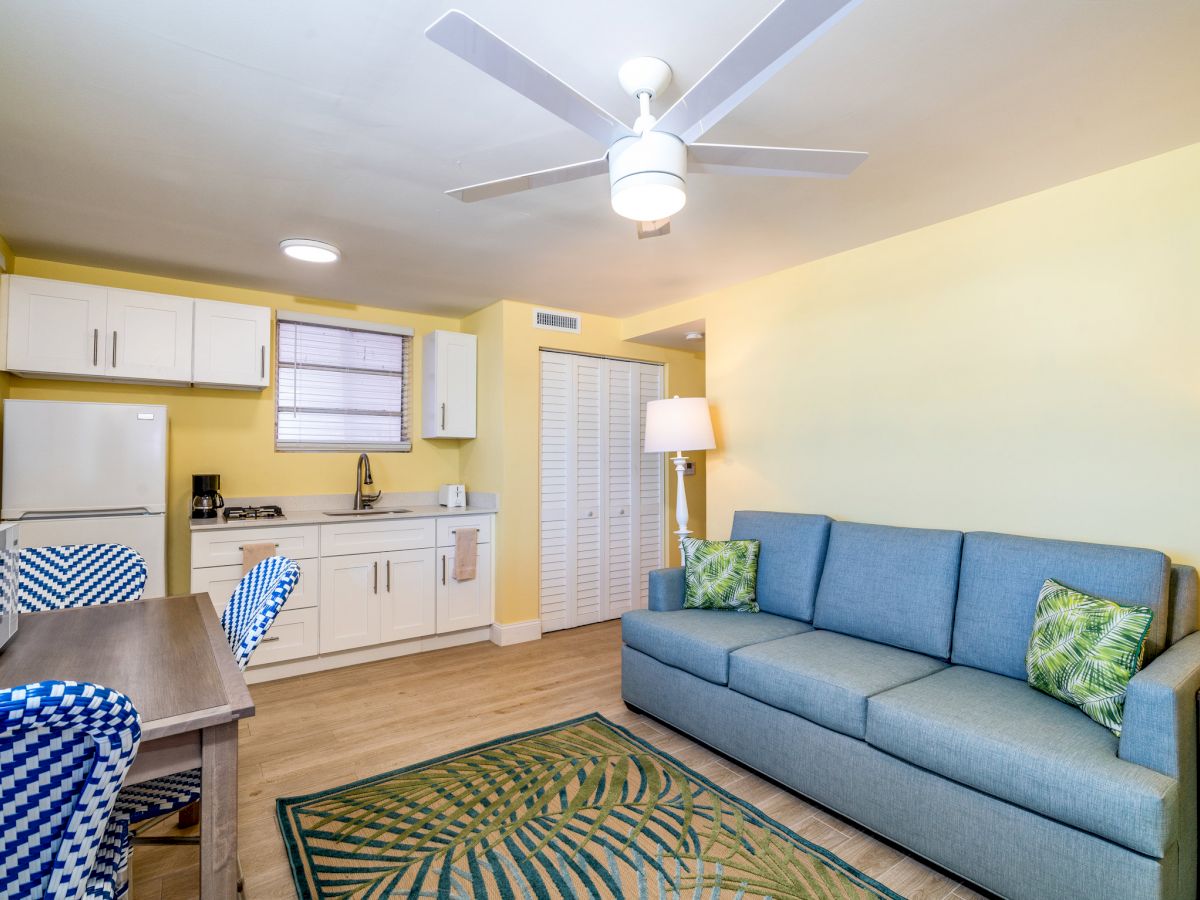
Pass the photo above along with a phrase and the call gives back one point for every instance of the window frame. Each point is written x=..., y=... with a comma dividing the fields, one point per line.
x=352, y=325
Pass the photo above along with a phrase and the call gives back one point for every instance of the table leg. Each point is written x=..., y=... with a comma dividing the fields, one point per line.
x=218, y=812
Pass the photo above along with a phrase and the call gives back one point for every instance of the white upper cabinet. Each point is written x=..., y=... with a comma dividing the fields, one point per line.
x=231, y=345
x=56, y=327
x=448, y=366
x=60, y=329
x=150, y=336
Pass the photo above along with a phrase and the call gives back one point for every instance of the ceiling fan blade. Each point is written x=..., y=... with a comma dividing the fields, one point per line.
x=731, y=159
x=774, y=42
x=467, y=39
x=489, y=189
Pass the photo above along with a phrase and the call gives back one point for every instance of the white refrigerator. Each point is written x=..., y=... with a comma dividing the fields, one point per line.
x=84, y=473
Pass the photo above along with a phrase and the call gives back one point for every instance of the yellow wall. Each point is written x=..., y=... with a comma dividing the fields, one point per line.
x=506, y=451
x=1032, y=368
x=233, y=432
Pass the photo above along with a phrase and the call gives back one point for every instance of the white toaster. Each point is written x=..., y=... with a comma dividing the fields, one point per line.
x=452, y=495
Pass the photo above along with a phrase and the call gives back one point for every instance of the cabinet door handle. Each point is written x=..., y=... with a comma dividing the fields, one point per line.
x=268, y=640
x=443, y=568
x=262, y=366
x=443, y=417
x=377, y=576
x=389, y=576
x=242, y=546
x=95, y=346
x=114, y=350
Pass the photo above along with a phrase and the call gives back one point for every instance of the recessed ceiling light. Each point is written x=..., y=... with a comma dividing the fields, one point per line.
x=310, y=251
x=694, y=336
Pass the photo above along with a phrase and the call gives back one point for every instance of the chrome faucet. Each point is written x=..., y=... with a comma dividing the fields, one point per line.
x=362, y=476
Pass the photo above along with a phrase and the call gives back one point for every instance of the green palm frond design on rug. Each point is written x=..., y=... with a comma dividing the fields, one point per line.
x=1084, y=650
x=582, y=809
x=720, y=574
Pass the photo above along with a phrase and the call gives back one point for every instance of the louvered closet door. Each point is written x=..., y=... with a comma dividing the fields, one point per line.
x=589, y=489
x=601, y=498
x=557, y=490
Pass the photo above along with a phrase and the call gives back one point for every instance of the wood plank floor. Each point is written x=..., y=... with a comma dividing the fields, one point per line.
x=319, y=731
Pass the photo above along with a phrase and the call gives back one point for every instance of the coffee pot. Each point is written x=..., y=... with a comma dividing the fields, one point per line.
x=206, y=496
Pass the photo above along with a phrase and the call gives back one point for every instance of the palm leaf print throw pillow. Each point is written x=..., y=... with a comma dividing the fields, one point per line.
x=1084, y=650
x=720, y=574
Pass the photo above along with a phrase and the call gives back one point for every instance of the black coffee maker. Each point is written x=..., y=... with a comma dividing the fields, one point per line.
x=206, y=496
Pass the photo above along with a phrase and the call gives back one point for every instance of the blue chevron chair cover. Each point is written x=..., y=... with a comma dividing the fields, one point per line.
x=78, y=575
x=253, y=607
x=66, y=748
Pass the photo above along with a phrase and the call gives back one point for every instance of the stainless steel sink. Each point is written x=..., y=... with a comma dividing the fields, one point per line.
x=368, y=512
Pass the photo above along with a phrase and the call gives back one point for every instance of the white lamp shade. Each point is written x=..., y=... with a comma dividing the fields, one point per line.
x=681, y=423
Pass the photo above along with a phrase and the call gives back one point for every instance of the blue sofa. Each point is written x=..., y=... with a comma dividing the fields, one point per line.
x=885, y=679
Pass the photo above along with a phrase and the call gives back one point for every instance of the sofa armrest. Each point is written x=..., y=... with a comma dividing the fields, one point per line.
x=666, y=589
x=1159, y=726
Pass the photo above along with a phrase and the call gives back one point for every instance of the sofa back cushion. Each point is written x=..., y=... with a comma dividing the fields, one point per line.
x=892, y=585
x=791, y=553
x=1002, y=576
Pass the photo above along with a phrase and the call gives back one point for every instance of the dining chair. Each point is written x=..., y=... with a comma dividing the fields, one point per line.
x=69, y=575
x=255, y=603
x=67, y=746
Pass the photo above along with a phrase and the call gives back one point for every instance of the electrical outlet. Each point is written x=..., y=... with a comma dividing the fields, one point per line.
x=689, y=468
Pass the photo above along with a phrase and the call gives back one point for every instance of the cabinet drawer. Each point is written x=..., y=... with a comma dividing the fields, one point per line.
x=448, y=526
x=376, y=537
x=224, y=548
x=219, y=582
x=294, y=634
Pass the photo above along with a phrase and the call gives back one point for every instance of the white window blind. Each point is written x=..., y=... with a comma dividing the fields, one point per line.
x=342, y=387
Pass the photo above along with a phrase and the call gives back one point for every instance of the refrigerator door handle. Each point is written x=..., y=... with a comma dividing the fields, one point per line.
x=87, y=513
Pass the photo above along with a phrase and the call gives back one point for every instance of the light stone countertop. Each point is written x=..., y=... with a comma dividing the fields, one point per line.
x=312, y=509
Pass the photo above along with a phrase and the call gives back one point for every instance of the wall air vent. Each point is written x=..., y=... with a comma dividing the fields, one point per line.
x=555, y=321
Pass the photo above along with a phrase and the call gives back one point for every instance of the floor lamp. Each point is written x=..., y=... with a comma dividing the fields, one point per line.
x=679, y=424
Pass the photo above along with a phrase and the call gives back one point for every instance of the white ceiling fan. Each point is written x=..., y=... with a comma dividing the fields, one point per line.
x=648, y=164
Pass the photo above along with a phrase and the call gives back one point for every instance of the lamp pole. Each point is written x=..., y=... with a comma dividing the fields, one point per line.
x=681, y=510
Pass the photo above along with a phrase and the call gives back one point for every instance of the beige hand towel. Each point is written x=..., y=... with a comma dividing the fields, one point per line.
x=253, y=554
x=466, y=551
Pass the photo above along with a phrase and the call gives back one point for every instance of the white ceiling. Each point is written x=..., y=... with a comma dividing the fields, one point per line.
x=189, y=138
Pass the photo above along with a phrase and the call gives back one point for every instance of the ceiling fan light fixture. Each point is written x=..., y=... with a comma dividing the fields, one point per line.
x=308, y=250
x=648, y=196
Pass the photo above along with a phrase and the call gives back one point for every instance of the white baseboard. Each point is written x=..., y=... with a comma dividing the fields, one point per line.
x=290, y=668
x=516, y=632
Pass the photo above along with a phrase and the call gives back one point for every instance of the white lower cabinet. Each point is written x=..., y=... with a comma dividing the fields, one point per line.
x=408, y=605
x=363, y=585
x=464, y=604
x=349, y=601
x=219, y=582
x=294, y=635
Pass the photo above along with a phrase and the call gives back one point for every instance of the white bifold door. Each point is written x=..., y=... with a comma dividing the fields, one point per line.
x=603, y=509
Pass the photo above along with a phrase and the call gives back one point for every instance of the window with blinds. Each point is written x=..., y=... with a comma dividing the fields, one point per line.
x=342, y=387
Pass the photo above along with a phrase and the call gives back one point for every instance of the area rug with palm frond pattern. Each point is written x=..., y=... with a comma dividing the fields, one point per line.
x=579, y=809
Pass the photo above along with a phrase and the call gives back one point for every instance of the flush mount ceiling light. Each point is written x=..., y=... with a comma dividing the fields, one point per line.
x=648, y=163
x=310, y=251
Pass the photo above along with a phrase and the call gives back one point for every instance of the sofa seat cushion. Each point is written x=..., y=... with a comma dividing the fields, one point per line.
x=1000, y=736
x=699, y=641
x=824, y=676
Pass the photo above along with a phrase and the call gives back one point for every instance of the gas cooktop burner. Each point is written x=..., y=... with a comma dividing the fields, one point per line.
x=253, y=512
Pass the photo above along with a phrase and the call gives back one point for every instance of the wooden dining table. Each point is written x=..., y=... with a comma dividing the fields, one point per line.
x=170, y=656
